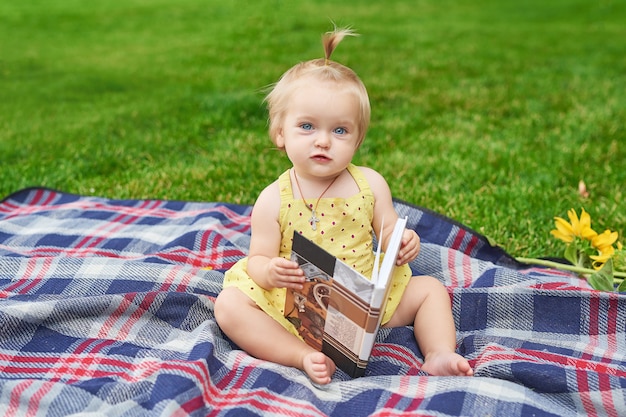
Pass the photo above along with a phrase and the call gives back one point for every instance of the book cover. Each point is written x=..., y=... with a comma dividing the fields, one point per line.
x=338, y=311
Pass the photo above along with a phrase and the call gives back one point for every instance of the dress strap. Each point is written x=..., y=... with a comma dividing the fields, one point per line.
x=284, y=184
x=359, y=178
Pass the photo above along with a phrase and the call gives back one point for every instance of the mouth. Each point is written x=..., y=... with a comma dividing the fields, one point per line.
x=321, y=158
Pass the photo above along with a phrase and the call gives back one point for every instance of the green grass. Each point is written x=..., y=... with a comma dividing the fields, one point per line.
x=489, y=112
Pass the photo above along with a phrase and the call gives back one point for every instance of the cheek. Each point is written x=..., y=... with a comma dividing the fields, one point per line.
x=348, y=150
x=294, y=152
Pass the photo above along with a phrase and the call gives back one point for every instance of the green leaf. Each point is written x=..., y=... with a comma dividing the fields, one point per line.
x=584, y=261
x=571, y=254
x=622, y=286
x=603, y=279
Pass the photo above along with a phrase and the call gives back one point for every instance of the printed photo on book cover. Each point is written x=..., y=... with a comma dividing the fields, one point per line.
x=307, y=308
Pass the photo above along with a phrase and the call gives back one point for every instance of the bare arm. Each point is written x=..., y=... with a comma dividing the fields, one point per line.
x=265, y=267
x=383, y=209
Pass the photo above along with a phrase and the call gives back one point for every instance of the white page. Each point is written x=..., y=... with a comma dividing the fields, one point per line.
x=377, y=259
x=392, y=253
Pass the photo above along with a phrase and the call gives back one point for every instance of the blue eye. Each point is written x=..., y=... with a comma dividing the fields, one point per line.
x=340, y=131
x=306, y=126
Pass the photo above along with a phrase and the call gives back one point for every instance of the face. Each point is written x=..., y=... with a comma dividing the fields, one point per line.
x=319, y=130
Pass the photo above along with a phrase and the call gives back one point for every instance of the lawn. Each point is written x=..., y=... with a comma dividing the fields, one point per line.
x=489, y=112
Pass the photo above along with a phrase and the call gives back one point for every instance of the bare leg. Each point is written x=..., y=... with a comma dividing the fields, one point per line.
x=426, y=305
x=262, y=337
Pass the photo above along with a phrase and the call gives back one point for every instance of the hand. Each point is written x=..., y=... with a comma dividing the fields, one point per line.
x=410, y=247
x=283, y=273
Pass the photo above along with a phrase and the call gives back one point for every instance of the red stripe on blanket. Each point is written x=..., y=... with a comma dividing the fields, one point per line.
x=33, y=275
x=459, y=268
x=454, y=279
x=15, y=397
x=406, y=389
x=110, y=229
x=606, y=393
x=458, y=239
x=34, y=402
x=43, y=197
x=134, y=318
x=93, y=346
x=396, y=352
x=8, y=207
x=119, y=315
x=585, y=397
x=603, y=321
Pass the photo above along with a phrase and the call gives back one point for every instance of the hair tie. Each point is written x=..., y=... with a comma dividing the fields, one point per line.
x=326, y=61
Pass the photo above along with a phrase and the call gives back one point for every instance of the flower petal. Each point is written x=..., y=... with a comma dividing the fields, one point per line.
x=573, y=218
x=564, y=230
x=585, y=219
x=583, y=227
x=601, y=258
x=563, y=225
x=567, y=238
x=604, y=240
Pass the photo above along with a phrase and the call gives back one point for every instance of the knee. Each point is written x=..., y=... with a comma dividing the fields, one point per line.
x=428, y=285
x=431, y=282
x=226, y=305
x=425, y=281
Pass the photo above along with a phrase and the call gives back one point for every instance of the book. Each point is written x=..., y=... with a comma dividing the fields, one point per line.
x=339, y=311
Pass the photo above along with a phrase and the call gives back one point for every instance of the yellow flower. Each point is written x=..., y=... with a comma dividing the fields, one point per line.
x=568, y=231
x=602, y=256
x=604, y=240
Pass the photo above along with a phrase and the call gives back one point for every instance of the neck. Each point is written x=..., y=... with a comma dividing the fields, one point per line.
x=313, y=188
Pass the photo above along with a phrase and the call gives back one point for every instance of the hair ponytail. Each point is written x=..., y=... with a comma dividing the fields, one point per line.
x=330, y=40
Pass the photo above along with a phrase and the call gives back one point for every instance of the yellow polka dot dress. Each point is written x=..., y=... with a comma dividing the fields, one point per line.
x=344, y=229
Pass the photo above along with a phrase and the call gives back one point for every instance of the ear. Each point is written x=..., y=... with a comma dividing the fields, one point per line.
x=280, y=139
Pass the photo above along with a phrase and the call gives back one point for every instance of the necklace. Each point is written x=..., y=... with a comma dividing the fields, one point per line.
x=313, y=220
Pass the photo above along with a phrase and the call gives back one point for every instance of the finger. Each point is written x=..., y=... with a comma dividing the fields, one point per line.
x=292, y=273
x=286, y=263
x=290, y=283
x=406, y=256
x=293, y=286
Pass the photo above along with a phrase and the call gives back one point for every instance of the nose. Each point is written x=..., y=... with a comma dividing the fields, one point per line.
x=322, y=140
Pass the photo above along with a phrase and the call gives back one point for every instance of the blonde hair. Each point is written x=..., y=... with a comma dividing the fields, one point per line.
x=321, y=70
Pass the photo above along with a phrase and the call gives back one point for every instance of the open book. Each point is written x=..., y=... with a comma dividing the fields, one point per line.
x=339, y=310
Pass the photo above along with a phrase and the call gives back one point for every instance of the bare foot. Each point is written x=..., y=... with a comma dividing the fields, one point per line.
x=447, y=364
x=318, y=367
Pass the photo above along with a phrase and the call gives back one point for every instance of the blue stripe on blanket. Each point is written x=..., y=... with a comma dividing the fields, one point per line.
x=106, y=306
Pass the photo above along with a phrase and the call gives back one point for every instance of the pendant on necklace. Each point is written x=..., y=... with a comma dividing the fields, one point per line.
x=313, y=220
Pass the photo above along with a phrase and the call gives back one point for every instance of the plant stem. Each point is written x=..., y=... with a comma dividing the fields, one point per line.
x=618, y=276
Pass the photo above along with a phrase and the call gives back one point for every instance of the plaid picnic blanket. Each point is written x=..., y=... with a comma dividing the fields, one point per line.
x=106, y=307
